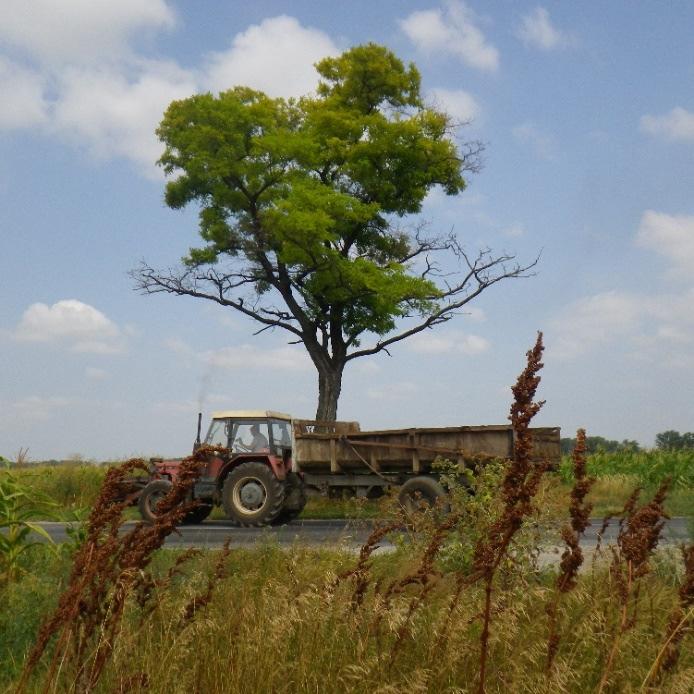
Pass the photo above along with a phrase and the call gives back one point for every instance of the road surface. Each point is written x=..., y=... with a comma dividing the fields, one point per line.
x=331, y=534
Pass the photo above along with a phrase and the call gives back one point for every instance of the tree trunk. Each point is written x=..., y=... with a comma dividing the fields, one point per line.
x=329, y=387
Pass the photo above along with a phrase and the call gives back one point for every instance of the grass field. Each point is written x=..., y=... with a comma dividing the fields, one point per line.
x=73, y=487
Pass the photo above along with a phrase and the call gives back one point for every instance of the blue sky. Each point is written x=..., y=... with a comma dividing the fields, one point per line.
x=587, y=111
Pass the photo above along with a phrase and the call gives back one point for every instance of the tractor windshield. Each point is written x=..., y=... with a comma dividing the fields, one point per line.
x=218, y=435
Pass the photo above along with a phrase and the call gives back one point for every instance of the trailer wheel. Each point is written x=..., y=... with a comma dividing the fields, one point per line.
x=197, y=515
x=420, y=491
x=252, y=495
x=294, y=500
x=151, y=495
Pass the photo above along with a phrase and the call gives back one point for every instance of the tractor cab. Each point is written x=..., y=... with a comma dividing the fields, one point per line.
x=252, y=431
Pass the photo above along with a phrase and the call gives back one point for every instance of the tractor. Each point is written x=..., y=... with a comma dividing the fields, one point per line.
x=255, y=483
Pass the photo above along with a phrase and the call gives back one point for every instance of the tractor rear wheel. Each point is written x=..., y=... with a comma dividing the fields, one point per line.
x=151, y=495
x=252, y=496
x=422, y=492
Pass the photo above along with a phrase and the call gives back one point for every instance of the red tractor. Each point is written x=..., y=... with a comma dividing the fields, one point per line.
x=255, y=484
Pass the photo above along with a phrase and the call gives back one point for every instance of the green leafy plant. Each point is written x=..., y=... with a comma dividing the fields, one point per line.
x=18, y=506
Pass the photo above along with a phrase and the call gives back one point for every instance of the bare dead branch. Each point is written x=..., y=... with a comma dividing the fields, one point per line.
x=465, y=291
x=188, y=283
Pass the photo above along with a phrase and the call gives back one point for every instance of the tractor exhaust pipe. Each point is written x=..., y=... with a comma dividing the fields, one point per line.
x=197, y=444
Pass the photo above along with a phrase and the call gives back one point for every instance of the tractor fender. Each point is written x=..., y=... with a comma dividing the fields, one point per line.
x=274, y=463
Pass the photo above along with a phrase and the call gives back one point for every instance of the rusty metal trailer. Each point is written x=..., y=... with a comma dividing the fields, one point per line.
x=338, y=456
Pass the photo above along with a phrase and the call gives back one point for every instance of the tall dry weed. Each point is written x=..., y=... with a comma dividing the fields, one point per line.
x=572, y=558
x=640, y=531
x=520, y=485
x=679, y=623
x=109, y=567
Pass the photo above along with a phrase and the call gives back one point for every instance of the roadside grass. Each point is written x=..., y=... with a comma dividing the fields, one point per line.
x=287, y=621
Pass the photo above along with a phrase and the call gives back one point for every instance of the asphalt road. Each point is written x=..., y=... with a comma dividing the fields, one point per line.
x=331, y=534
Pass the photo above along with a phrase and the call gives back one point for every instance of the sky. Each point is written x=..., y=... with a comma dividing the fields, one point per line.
x=587, y=115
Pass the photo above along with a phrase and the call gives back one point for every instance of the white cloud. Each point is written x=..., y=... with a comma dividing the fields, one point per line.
x=26, y=106
x=250, y=357
x=432, y=342
x=658, y=328
x=79, y=31
x=454, y=31
x=114, y=116
x=71, y=323
x=677, y=125
x=672, y=236
x=98, y=347
x=106, y=97
x=542, y=144
x=536, y=29
x=458, y=103
x=592, y=321
x=275, y=56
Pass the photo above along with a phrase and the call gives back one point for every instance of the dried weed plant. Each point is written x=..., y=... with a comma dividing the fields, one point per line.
x=572, y=558
x=108, y=568
x=520, y=485
x=639, y=533
x=679, y=623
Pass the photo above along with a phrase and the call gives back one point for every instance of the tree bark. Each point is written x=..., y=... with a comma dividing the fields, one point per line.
x=329, y=387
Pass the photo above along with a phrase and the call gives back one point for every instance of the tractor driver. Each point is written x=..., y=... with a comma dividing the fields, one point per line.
x=258, y=442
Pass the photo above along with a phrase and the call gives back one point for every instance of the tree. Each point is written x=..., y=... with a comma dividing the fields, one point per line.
x=599, y=444
x=301, y=203
x=674, y=441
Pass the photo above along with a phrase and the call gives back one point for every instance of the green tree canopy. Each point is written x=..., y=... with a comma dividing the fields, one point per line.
x=673, y=440
x=599, y=444
x=302, y=203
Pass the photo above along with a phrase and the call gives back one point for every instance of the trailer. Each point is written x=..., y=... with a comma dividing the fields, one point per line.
x=337, y=457
x=270, y=460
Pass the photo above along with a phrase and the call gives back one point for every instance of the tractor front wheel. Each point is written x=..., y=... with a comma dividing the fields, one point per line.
x=150, y=497
x=252, y=496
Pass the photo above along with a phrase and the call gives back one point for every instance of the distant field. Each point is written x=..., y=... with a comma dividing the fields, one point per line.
x=74, y=486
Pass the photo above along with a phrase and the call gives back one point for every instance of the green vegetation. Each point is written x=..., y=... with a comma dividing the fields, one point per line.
x=73, y=487
x=19, y=506
x=599, y=444
x=649, y=468
x=674, y=441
